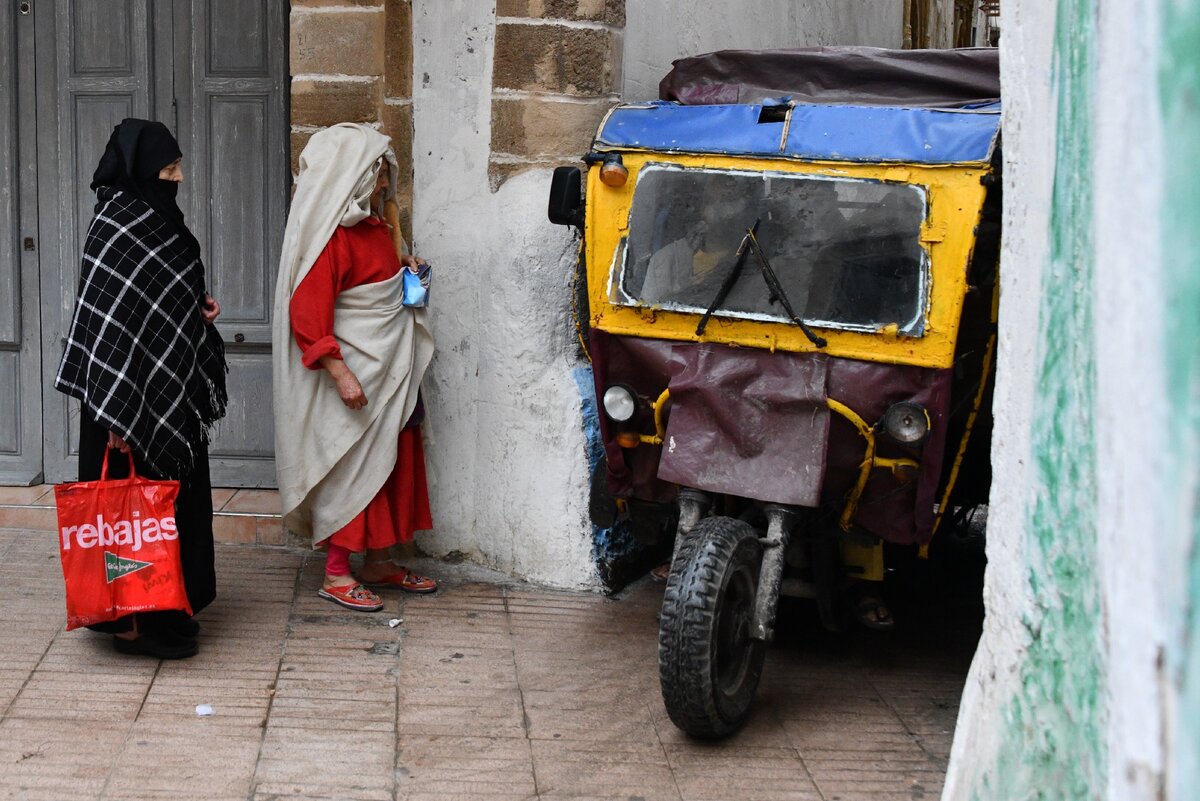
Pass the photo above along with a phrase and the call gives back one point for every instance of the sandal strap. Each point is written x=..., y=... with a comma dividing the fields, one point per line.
x=357, y=591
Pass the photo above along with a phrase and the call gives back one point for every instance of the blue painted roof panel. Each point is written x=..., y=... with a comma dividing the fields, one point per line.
x=816, y=133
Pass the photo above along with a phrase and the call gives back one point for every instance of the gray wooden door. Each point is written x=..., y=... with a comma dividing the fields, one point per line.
x=215, y=72
x=20, y=346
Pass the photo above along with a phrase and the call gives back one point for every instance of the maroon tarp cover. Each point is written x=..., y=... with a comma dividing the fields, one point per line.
x=838, y=75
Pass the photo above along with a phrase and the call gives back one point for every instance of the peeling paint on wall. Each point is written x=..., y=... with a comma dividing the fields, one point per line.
x=1055, y=727
x=1087, y=681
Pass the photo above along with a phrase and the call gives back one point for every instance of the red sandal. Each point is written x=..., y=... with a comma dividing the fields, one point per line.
x=406, y=580
x=353, y=596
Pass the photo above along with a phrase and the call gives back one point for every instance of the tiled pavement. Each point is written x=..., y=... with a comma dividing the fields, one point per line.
x=488, y=690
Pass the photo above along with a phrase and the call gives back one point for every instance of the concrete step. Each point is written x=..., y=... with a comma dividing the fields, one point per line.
x=240, y=516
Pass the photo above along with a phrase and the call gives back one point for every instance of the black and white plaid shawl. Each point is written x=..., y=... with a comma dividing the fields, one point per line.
x=138, y=354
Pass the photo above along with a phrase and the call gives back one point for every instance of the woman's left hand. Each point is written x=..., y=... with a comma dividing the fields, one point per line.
x=413, y=263
x=210, y=310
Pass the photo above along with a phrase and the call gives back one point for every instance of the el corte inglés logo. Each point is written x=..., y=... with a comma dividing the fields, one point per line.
x=117, y=566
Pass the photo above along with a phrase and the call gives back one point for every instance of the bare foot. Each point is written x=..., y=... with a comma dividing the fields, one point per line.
x=338, y=581
x=378, y=571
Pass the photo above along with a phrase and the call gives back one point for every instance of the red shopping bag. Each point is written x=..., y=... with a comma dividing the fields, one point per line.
x=119, y=547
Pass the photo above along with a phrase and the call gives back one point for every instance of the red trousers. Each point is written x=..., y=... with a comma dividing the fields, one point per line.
x=399, y=509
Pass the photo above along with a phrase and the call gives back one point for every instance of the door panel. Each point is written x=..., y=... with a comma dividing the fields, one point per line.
x=92, y=118
x=239, y=38
x=102, y=37
x=10, y=279
x=239, y=257
x=10, y=384
x=246, y=412
x=20, y=348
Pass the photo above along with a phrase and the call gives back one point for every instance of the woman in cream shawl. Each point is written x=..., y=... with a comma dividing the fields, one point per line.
x=348, y=363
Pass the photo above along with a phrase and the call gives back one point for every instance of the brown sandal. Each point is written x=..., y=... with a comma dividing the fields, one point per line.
x=406, y=580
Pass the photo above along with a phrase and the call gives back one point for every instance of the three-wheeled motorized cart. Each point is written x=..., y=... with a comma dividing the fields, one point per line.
x=789, y=302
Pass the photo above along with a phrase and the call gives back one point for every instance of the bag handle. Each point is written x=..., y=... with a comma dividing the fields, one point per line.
x=104, y=465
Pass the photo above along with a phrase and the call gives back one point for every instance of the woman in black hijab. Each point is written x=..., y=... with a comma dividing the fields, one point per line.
x=145, y=361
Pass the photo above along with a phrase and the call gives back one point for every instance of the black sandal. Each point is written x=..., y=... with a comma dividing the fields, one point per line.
x=160, y=645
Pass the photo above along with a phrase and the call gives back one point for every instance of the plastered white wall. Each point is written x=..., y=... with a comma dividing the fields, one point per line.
x=660, y=31
x=506, y=458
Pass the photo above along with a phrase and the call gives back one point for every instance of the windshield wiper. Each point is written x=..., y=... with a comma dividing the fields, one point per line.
x=776, y=289
x=730, y=279
x=750, y=245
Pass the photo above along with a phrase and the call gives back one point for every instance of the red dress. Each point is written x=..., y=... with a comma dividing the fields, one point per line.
x=362, y=254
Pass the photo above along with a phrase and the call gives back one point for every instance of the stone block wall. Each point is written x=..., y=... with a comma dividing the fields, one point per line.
x=351, y=61
x=556, y=71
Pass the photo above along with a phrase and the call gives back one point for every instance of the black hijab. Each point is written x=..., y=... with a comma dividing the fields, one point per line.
x=136, y=152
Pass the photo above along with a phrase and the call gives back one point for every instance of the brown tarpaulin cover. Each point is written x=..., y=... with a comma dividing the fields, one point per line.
x=870, y=76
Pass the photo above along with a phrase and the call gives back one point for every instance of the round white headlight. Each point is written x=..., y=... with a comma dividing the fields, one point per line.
x=906, y=422
x=619, y=403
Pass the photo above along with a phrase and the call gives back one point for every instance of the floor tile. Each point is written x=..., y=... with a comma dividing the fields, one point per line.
x=485, y=691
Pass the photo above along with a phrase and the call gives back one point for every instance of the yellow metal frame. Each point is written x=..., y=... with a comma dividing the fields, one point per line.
x=955, y=196
x=869, y=462
x=660, y=425
x=976, y=404
x=863, y=562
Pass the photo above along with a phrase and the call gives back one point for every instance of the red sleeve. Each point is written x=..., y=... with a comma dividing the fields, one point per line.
x=311, y=307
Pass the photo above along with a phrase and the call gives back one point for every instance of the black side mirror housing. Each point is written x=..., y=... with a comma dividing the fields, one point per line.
x=566, y=197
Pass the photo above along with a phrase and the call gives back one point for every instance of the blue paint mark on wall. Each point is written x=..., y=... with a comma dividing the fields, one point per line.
x=617, y=552
x=591, y=413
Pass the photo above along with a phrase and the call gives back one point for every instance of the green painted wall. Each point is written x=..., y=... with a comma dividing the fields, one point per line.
x=1087, y=684
x=1053, y=737
x=1180, y=90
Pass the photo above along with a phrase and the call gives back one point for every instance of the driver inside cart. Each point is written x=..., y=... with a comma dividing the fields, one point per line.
x=687, y=270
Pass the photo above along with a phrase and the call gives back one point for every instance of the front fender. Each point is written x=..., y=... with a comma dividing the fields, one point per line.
x=747, y=422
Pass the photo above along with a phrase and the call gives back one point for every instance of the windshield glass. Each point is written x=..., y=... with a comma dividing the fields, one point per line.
x=847, y=251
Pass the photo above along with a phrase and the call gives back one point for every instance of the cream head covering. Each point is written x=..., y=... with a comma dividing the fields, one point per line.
x=338, y=168
x=332, y=460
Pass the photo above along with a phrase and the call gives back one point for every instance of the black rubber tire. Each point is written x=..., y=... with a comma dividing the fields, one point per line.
x=708, y=665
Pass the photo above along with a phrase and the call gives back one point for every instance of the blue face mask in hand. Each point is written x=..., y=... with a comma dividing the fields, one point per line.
x=416, y=286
